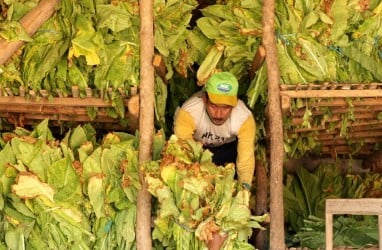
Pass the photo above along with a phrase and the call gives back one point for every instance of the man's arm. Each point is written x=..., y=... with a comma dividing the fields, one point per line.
x=246, y=152
x=184, y=125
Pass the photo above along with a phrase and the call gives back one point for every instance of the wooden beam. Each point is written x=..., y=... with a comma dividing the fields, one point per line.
x=357, y=125
x=352, y=135
x=332, y=93
x=337, y=118
x=57, y=101
x=31, y=22
x=330, y=103
x=343, y=141
x=339, y=110
x=345, y=150
x=331, y=86
x=20, y=109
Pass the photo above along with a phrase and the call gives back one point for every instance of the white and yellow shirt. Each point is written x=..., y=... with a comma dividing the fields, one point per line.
x=192, y=121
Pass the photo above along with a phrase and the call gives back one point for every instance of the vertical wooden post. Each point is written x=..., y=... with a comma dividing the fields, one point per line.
x=277, y=234
x=146, y=121
x=329, y=231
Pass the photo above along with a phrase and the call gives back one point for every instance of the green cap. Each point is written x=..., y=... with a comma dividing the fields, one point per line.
x=222, y=88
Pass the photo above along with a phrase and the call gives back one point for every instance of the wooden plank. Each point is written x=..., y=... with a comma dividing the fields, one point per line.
x=352, y=135
x=343, y=102
x=332, y=93
x=330, y=85
x=57, y=101
x=346, y=150
x=296, y=121
x=357, y=125
x=343, y=141
x=365, y=206
x=43, y=109
x=61, y=117
x=339, y=110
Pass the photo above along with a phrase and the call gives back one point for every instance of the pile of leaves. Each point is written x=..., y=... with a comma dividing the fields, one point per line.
x=333, y=41
x=80, y=192
x=226, y=38
x=305, y=193
x=77, y=193
x=195, y=198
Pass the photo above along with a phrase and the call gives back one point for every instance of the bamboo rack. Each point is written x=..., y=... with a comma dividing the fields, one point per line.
x=30, y=107
x=363, y=102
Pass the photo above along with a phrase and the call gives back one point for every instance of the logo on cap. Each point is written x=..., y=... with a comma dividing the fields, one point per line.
x=224, y=87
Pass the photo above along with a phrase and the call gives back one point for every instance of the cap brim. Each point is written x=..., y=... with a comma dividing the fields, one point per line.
x=223, y=99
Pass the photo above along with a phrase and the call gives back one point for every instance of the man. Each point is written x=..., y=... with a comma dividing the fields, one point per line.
x=215, y=117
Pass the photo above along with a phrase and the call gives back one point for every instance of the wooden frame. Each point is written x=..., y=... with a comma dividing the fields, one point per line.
x=359, y=105
x=30, y=108
x=364, y=206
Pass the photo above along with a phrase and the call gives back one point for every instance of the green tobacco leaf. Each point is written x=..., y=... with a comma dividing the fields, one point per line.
x=125, y=222
x=340, y=14
x=42, y=131
x=118, y=104
x=365, y=61
x=14, y=238
x=77, y=78
x=96, y=194
x=62, y=176
x=217, y=11
x=28, y=186
x=208, y=27
x=87, y=42
x=77, y=138
x=92, y=164
x=113, y=17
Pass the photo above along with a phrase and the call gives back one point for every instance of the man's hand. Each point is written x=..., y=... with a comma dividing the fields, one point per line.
x=217, y=241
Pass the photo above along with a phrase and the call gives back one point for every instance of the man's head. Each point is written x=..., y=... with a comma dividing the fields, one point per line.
x=221, y=97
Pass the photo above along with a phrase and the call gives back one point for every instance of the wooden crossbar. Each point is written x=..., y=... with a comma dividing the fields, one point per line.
x=364, y=206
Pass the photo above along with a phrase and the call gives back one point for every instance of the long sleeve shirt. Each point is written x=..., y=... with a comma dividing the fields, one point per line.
x=192, y=122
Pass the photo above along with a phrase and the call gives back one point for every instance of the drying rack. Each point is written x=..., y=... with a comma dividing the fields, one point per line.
x=344, y=118
x=30, y=107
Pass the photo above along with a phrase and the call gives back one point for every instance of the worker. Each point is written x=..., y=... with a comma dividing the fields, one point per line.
x=224, y=125
x=219, y=120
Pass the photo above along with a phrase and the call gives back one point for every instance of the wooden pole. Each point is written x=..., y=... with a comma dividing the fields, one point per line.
x=277, y=234
x=146, y=121
x=31, y=22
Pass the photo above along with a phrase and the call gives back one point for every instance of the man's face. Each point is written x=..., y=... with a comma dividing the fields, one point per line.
x=218, y=113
